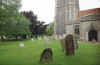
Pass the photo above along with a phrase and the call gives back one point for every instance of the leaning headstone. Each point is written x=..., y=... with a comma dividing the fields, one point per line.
x=69, y=45
x=46, y=56
x=21, y=45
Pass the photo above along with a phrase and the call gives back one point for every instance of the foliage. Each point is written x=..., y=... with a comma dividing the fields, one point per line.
x=20, y=25
x=36, y=27
x=50, y=29
x=8, y=9
x=12, y=23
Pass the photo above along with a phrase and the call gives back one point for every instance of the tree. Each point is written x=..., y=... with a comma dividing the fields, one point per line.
x=19, y=27
x=8, y=10
x=12, y=23
x=36, y=27
x=50, y=29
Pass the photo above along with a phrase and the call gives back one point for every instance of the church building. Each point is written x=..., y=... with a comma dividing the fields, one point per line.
x=66, y=18
x=90, y=24
x=70, y=20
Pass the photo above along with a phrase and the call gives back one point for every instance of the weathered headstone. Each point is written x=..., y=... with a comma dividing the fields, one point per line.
x=46, y=56
x=69, y=45
x=21, y=45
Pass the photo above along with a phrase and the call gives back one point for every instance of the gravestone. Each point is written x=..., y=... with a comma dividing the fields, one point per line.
x=46, y=56
x=32, y=39
x=69, y=45
x=21, y=45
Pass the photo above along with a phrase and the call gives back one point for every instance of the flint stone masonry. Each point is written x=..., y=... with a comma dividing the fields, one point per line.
x=89, y=20
x=68, y=17
x=66, y=12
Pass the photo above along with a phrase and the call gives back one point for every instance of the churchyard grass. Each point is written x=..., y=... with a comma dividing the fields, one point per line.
x=12, y=54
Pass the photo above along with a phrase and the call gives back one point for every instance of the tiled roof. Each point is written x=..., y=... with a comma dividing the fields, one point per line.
x=88, y=12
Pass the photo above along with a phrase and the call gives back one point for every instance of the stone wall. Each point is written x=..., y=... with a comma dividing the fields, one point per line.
x=66, y=16
x=69, y=29
x=60, y=17
x=85, y=27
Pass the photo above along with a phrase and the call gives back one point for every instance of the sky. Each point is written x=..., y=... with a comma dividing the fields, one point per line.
x=45, y=9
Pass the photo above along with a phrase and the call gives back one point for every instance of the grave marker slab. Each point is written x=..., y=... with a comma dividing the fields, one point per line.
x=21, y=45
x=46, y=56
x=69, y=45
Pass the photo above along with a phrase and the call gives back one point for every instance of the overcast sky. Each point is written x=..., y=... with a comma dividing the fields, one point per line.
x=45, y=9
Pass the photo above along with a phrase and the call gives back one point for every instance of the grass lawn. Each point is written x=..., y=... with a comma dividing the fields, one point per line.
x=12, y=54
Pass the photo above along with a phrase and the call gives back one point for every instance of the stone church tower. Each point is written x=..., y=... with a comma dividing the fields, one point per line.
x=66, y=17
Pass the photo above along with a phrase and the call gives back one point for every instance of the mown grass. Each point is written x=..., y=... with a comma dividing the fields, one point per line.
x=12, y=54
